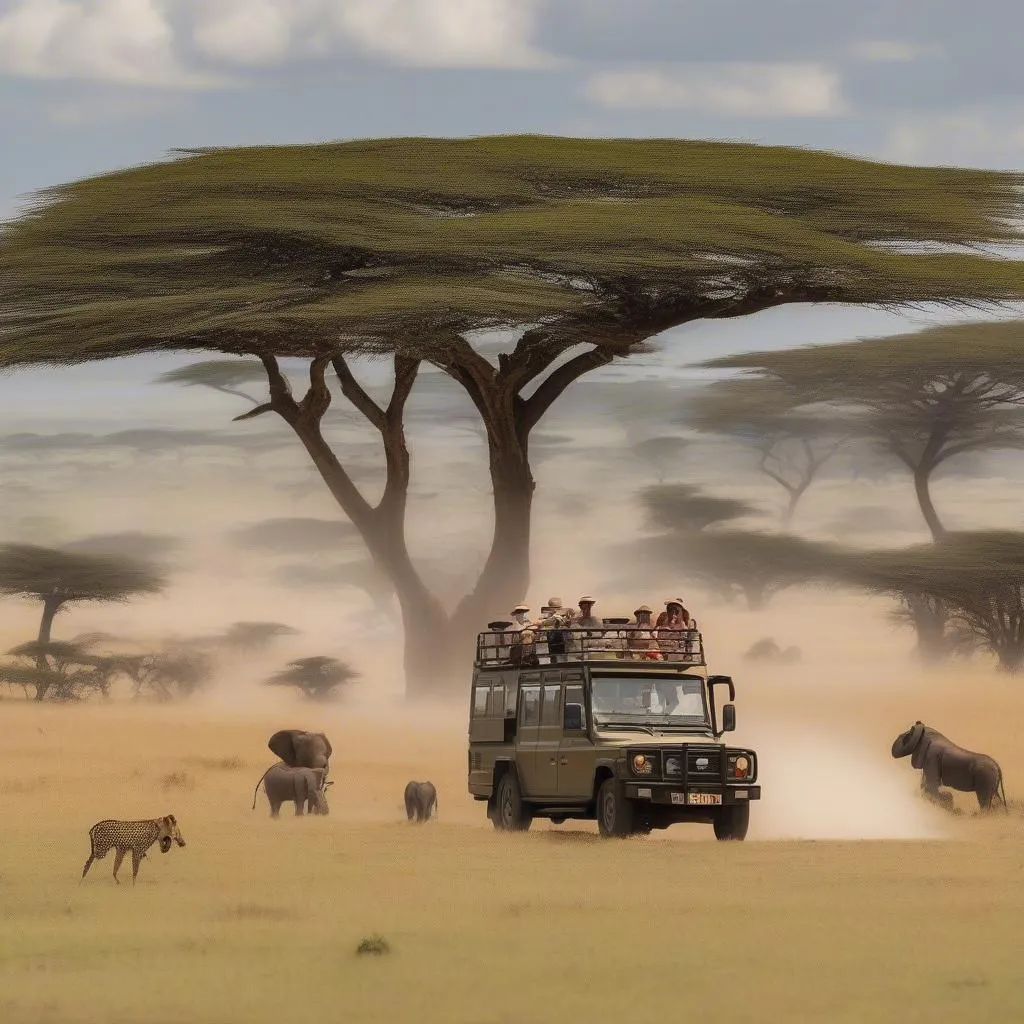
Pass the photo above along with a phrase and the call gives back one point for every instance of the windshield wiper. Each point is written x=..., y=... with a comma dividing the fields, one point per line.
x=625, y=725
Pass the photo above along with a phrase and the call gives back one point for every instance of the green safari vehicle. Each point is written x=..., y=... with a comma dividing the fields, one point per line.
x=579, y=723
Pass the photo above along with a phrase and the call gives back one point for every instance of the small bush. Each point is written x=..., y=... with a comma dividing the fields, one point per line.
x=178, y=780
x=374, y=944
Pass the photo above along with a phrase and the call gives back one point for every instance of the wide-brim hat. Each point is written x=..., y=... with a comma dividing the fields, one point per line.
x=554, y=602
x=586, y=600
x=674, y=600
x=641, y=609
x=520, y=608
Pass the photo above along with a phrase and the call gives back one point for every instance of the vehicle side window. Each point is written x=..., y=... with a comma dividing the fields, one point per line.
x=498, y=700
x=574, y=695
x=480, y=695
x=531, y=705
x=551, y=712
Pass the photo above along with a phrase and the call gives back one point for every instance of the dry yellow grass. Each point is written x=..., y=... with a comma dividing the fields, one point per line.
x=259, y=920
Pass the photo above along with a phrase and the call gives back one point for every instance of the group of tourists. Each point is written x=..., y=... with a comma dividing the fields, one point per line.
x=569, y=632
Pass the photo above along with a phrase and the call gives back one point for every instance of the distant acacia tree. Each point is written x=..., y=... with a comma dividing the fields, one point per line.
x=684, y=507
x=135, y=544
x=319, y=678
x=976, y=578
x=255, y=637
x=587, y=248
x=730, y=562
x=294, y=535
x=792, y=444
x=60, y=578
x=662, y=453
x=224, y=375
x=61, y=670
x=942, y=393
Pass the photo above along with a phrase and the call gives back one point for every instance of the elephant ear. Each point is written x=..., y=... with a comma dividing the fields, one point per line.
x=282, y=743
x=327, y=744
x=919, y=744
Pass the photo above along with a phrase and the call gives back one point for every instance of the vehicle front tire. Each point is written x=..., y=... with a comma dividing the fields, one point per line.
x=510, y=813
x=731, y=822
x=615, y=814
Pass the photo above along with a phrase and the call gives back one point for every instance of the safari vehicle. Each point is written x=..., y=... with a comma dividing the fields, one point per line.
x=631, y=738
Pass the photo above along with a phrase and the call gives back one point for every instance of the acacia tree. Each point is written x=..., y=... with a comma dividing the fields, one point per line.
x=318, y=678
x=405, y=247
x=757, y=565
x=944, y=392
x=977, y=578
x=661, y=453
x=792, y=444
x=60, y=578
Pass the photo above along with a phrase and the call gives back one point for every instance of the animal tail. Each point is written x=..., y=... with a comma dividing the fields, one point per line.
x=1002, y=792
x=262, y=777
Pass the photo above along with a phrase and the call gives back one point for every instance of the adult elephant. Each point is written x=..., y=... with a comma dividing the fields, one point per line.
x=301, y=749
x=298, y=748
x=943, y=763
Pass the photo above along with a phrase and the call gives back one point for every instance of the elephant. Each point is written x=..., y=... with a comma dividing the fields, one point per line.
x=420, y=800
x=306, y=786
x=301, y=749
x=946, y=764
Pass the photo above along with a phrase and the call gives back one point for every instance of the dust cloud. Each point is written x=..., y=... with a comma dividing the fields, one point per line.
x=822, y=727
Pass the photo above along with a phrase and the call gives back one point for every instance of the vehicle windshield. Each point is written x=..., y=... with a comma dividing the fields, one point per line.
x=639, y=700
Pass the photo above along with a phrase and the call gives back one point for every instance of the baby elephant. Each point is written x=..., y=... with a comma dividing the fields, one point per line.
x=306, y=786
x=420, y=800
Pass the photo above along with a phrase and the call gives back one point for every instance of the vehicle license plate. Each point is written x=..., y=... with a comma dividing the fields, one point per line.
x=700, y=798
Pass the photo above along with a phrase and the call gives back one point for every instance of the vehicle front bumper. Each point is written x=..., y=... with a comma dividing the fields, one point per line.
x=691, y=796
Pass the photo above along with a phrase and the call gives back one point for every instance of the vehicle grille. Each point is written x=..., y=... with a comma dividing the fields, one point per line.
x=704, y=763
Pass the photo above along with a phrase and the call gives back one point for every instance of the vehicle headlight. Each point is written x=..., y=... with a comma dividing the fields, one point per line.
x=739, y=766
x=642, y=764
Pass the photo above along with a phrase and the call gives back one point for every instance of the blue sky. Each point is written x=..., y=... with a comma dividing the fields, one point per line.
x=91, y=85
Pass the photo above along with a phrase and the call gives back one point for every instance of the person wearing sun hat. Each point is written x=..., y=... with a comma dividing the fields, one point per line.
x=587, y=619
x=671, y=622
x=641, y=642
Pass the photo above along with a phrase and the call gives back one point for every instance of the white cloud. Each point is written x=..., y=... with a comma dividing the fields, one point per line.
x=124, y=41
x=448, y=33
x=972, y=138
x=145, y=42
x=757, y=90
x=888, y=51
x=248, y=31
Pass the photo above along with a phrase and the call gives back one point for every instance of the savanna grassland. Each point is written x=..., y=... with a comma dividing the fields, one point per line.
x=851, y=900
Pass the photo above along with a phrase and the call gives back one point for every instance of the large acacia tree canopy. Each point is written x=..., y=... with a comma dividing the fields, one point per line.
x=305, y=250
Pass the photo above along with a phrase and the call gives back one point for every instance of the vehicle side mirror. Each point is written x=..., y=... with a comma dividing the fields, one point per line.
x=728, y=718
x=573, y=718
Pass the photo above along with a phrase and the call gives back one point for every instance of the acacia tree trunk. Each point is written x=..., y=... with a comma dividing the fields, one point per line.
x=922, y=487
x=930, y=617
x=438, y=644
x=51, y=605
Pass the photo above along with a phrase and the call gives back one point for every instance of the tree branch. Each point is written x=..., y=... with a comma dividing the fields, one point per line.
x=258, y=411
x=553, y=386
x=354, y=392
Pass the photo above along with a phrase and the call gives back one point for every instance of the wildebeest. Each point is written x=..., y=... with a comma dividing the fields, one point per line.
x=943, y=763
x=420, y=800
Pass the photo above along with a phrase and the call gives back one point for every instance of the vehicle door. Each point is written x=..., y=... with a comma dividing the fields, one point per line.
x=576, y=751
x=549, y=735
x=527, y=735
